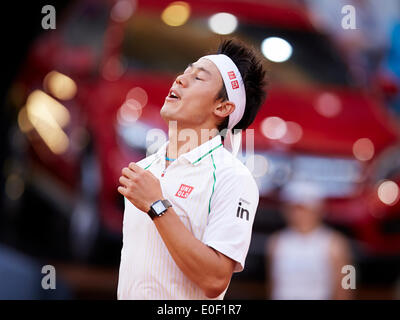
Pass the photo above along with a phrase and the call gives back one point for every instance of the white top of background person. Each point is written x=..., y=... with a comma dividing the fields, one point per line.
x=306, y=258
x=192, y=249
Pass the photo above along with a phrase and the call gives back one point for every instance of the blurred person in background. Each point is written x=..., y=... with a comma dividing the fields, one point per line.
x=365, y=46
x=21, y=278
x=306, y=258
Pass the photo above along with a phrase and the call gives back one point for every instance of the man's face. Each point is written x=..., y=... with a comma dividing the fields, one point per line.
x=303, y=217
x=196, y=90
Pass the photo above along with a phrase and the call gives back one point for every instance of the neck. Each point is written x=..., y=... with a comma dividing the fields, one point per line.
x=182, y=140
x=306, y=229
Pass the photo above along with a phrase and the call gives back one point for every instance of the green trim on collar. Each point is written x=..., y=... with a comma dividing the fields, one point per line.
x=207, y=153
x=215, y=179
x=149, y=164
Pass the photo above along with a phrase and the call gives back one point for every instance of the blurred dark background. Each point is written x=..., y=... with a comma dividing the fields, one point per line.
x=79, y=101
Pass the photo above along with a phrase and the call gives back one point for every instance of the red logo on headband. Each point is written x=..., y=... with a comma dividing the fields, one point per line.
x=235, y=84
x=231, y=75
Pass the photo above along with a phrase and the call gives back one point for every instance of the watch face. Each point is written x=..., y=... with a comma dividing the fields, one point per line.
x=158, y=207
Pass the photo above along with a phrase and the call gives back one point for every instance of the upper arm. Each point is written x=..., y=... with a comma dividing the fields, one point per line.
x=340, y=256
x=270, y=245
x=226, y=264
x=340, y=252
x=270, y=248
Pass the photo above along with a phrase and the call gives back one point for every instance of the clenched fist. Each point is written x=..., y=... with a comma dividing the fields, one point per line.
x=139, y=186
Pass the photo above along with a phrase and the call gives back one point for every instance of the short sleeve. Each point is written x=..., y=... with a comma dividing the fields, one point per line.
x=232, y=212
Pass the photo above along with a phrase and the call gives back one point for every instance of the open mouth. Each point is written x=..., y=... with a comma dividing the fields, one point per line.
x=173, y=95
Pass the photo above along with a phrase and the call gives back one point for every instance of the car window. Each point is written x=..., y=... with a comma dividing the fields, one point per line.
x=151, y=44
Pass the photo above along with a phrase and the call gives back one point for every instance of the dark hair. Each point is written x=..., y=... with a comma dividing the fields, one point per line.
x=254, y=78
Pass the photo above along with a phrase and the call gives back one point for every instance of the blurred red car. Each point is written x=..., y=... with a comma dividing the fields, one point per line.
x=124, y=55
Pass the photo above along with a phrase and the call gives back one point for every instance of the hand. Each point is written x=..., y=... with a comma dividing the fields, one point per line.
x=140, y=187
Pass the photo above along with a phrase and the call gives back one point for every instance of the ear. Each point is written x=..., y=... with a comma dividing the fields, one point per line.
x=224, y=109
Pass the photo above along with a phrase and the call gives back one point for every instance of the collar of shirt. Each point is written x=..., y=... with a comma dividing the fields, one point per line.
x=197, y=154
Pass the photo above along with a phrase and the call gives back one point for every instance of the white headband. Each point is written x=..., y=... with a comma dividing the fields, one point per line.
x=236, y=93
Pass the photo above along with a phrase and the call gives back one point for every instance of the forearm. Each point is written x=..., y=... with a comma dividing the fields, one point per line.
x=339, y=292
x=342, y=294
x=341, y=256
x=200, y=263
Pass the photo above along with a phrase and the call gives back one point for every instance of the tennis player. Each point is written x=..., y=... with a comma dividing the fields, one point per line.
x=190, y=207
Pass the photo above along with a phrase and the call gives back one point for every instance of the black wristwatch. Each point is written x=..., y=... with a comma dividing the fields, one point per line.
x=158, y=208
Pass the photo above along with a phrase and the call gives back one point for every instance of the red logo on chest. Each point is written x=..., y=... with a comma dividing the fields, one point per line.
x=184, y=191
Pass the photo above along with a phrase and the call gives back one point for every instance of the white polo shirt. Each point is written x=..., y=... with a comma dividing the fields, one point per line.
x=216, y=198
